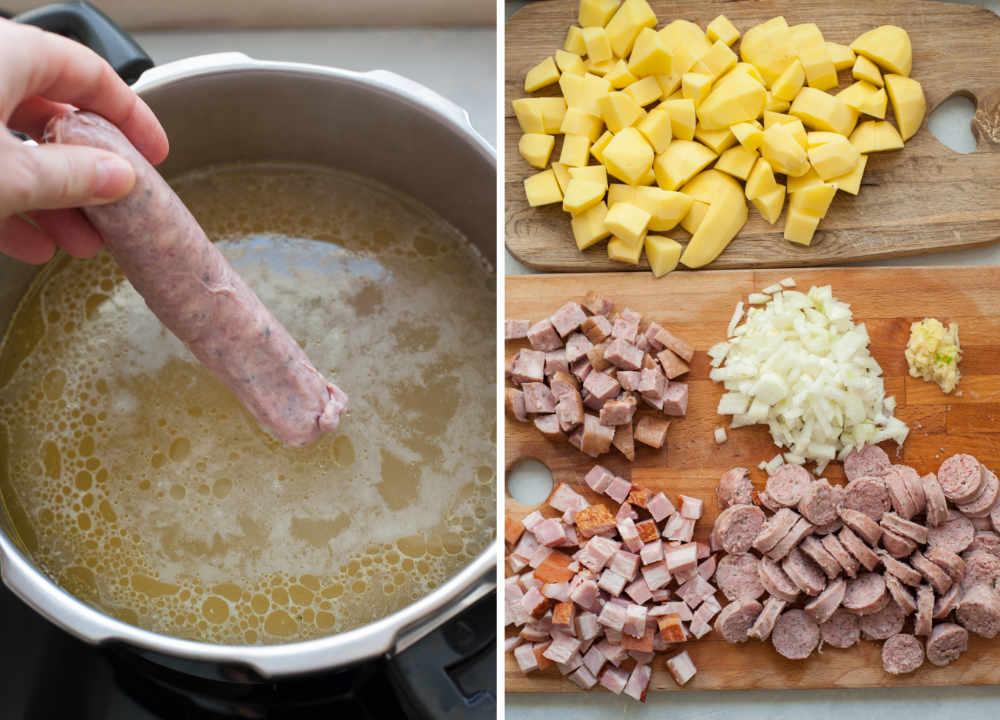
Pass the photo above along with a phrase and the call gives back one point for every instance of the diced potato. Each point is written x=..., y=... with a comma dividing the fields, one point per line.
x=627, y=221
x=562, y=176
x=536, y=148
x=748, y=69
x=821, y=111
x=575, y=151
x=761, y=180
x=540, y=115
x=792, y=125
x=619, y=111
x=799, y=227
x=666, y=207
x=851, y=182
x=749, y=135
x=768, y=47
x=716, y=140
x=820, y=72
x=876, y=136
x=834, y=158
x=655, y=127
x=683, y=117
x=854, y=96
x=805, y=35
x=717, y=61
x=597, y=148
x=582, y=195
x=594, y=88
x=776, y=104
x=875, y=104
x=686, y=41
x=865, y=69
x=721, y=29
x=573, y=90
x=648, y=179
x=708, y=186
x=726, y=215
x=696, y=86
x=542, y=189
x=644, y=91
x=620, y=192
x=588, y=226
x=570, y=63
x=696, y=214
x=737, y=161
x=795, y=184
x=770, y=205
x=734, y=99
x=619, y=77
x=813, y=201
x=888, y=46
x=622, y=251
x=601, y=67
x=681, y=161
x=662, y=254
x=544, y=73
x=908, y=103
x=841, y=55
x=820, y=137
x=578, y=122
x=783, y=151
x=669, y=85
x=678, y=94
x=591, y=173
x=596, y=13
x=623, y=27
x=598, y=44
x=629, y=157
x=574, y=41
x=649, y=55
x=788, y=84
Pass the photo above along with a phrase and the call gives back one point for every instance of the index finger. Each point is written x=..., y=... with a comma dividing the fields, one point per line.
x=46, y=64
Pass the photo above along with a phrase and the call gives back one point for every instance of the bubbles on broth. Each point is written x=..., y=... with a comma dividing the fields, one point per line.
x=138, y=482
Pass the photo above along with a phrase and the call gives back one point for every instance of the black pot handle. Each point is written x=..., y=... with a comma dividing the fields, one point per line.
x=451, y=673
x=84, y=23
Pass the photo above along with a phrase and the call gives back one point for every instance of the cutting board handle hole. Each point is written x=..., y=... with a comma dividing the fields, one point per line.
x=529, y=482
x=951, y=123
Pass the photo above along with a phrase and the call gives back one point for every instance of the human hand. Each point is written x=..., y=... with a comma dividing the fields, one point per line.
x=42, y=75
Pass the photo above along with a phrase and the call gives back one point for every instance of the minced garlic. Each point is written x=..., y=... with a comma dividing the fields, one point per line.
x=933, y=353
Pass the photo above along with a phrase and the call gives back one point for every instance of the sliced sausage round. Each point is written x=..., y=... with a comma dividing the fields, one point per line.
x=937, y=503
x=736, y=619
x=867, y=495
x=776, y=582
x=907, y=528
x=827, y=602
x=767, y=502
x=981, y=568
x=899, y=593
x=866, y=528
x=932, y=572
x=776, y=527
x=946, y=643
x=960, y=477
x=955, y=534
x=764, y=623
x=829, y=528
x=836, y=549
x=795, y=635
x=738, y=526
x=866, y=461
x=980, y=506
x=738, y=577
x=985, y=540
x=916, y=488
x=902, y=654
x=802, y=571
x=948, y=561
x=884, y=624
x=787, y=484
x=897, y=482
x=800, y=530
x=814, y=548
x=947, y=602
x=865, y=594
x=902, y=571
x=842, y=630
x=857, y=547
x=995, y=518
x=819, y=503
x=925, y=610
x=979, y=611
x=897, y=545
x=734, y=488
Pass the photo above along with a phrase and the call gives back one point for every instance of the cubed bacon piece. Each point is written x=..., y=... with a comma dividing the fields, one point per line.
x=629, y=379
x=652, y=386
x=676, y=345
x=671, y=629
x=532, y=520
x=550, y=532
x=555, y=568
x=623, y=355
x=695, y=590
x=635, y=620
x=515, y=329
x=562, y=383
x=575, y=661
x=626, y=511
x=538, y=398
x=566, y=498
x=672, y=365
x=618, y=489
x=681, y=558
x=514, y=402
x=528, y=366
x=513, y=609
x=543, y=336
x=562, y=648
x=611, y=582
x=581, y=368
x=660, y=507
x=629, y=534
x=651, y=552
x=539, y=649
x=690, y=507
x=648, y=532
x=548, y=426
x=526, y=546
x=625, y=564
x=534, y=603
x=649, y=335
x=563, y=616
x=587, y=595
x=681, y=667
x=597, y=553
x=651, y=430
x=555, y=361
x=583, y=678
x=594, y=660
x=556, y=591
x=597, y=328
x=539, y=556
x=511, y=642
x=639, y=592
x=602, y=386
x=512, y=530
x=656, y=575
x=623, y=441
x=675, y=400
x=525, y=657
x=577, y=346
x=660, y=595
x=598, y=478
x=699, y=628
x=677, y=608
x=707, y=569
x=642, y=645
x=613, y=652
x=587, y=627
x=567, y=318
x=596, y=304
x=618, y=412
x=516, y=564
x=626, y=325
x=638, y=682
x=612, y=616
x=679, y=528
x=614, y=679
x=596, y=437
x=569, y=410
x=639, y=496
x=596, y=357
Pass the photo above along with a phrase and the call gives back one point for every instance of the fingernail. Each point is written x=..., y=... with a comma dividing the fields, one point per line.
x=115, y=178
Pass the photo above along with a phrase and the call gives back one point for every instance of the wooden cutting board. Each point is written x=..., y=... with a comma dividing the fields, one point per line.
x=922, y=199
x=697, y=306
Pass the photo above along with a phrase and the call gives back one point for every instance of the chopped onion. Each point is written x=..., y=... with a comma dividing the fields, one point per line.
x=771, y=289
x=800, y=364
x=787, y=282
x=720, y=435
x=758, y=298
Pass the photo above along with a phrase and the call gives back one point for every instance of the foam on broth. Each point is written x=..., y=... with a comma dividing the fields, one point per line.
x=137, y=482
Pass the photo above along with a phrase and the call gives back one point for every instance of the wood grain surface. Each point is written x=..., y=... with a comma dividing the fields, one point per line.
x=697, y=306
x=924, y=198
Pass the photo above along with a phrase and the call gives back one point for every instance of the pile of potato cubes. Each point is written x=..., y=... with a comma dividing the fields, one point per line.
x=656, y=108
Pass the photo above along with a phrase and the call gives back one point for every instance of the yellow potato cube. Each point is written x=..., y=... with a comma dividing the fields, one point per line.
x=582, y=195
x=540, y=115
x=575, y=151
x=799, y=227
x=648, y=179
x=620, y=77
x=591, y=173
x=686, y=42
x=529, y=116
x=544, y=73
x=875, y=104
x=821, y=111
x=776, y=104
x=596, y=13
x=578, y=122
x=792, y=125
x=678, y=94
x=761, y=180
x=644, y=91
x=876, y=136
x=726, y=215
x=625, y=24
x=681, y=161
x=787, y=86
x=783, y=151
x=721, y=29
x=806, y=35
x=619, y=111
x=696, y=87
x=594, y=88
x=588, y=226
x=601, y=67
x=536, y=148
x=841, y=55
x=734, y=99
x=769, y=48
x=716, y=140
x=597, y=148
x=598, y=44
x=662, y=254
x=908, y=103
x=573, y=90
x=628, y=156
x=622, y=251
x=669, y=85
x=683, y=117
x=796, y=184
x=813, y=201
x=820, y=72
x=574, y=41
x=695, y=215
x=888, y=46
x=747, y=69
x=854, y=96
x=655, y=127
x=649, y=55
x=769, y=206
x=570, y=63
x=834, y=158
x=851, y=182
x=627, y=221
x=737, y=161
x=542, y=189
x=750, y=135
x=717, y=61
x=619, y=192
x=665, y=207
x=865, y=69
x=819, y=137
x=562, y=176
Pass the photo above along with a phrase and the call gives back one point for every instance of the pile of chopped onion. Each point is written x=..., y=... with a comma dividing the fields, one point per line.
x=799, y=364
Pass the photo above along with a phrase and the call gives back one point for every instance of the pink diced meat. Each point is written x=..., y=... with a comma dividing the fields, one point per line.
x=612, y=616
x=629, y=534
x=597, y=553
x=682, y=558
x=598, y=478
x=594, y=660
x=675, y=399
x=626, y=511
x=596, y=438
x=543, y=336
x=614, y=653
x=635, y=620
x=525, y=657
x=562, y=648
x=567, y=318
x=586, y=595
x=625, y=564
x=707, y=568
x=597, y=328
x=596, y=304
x=690, y=507
x=695, y=590
x=583, y=678
x=638, y=682
x=618, y=489
x=581, y=368
x=659, y=507
x=531, y=520
x=555, y=361
x=651, y=552
x=629, y=379
x=550, y=532
x=601, y=386
x=569, y=410
x=681, y=667
x=626, y=325
x=538, y=398
x=577, y=346
x=618, y=412
x=587, y=627
x=623, y=355
x=614, y=679
x=556, y=591
x=528, y=366
x=656, y=575
x=515, y=329
x=611, y=582
x=639, y=592
x=566, y=498
x=652, y=386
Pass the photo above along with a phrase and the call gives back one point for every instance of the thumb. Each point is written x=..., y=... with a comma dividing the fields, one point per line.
x=48, y=177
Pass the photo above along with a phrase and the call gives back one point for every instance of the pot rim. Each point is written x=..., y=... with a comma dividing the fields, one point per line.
x=387, y=635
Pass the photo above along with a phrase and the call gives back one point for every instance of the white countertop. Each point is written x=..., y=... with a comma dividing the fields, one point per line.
x=937, y=703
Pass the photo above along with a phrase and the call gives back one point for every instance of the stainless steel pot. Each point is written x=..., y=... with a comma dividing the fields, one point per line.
x=227, y=108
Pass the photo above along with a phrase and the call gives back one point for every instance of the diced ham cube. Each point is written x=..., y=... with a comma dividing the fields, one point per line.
x=623, y=355
x=648, y=531
x=642, y=645
x=614, y=679
x=612, y=616
x=513, y=609
x=623, y=441
x=555, y=568
x=596, y=304
x=625, y=564
x=680, y=609
x=699, y=628
x=540, y=555
x=566, y=498
x=659, y=507
x=672, y=365
x=583, y=678
x=567, y=318
x=534, y=603
x=613, y=652
x=586, y=595
x=597, y=328
x=707, y=569
x=593, y=520
x=679, y=347
x=626, y=511
x=602, y=386
x=569, y=410
x=511, y=643
x=703, y=550
x=575, y=661
x=587, y=627
x=626, y=325
x=611, y=582
x=596, y=437
x=598, y=551
x=581, y=368
x=673, y=526
x=638, y=682
x=649, y=335
x=685, y=531
x=555, y=361
x=528, y=366
x=538, y=398
x=562, y=648
x=514, y=402
x=512, y=530
x=706, y=611
x=695, y=590
x=598, y=478
x=681, y=558
x=651, y=552
x=594, y=660
x=596, y=357
x=556, y=591
x=681, y=667
x=563, y=382
x=651, y=430
x=543, y=336
x=629, y=379
x=532, y=520
x=618, y=489
x=550, y=532
x=661, y=595
x=525, y=657
x=691, y=507
x=642, y=344
x=515, y=329
x=671, y=629
x=629, y=534
x=639, y=591
x=656, y=575
x=527, y=545
x=516, y=564
x=652, y=386
x=675, y=400
x=548, y=426
x=618, y=412
x=635, y=620
x=577, y=347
